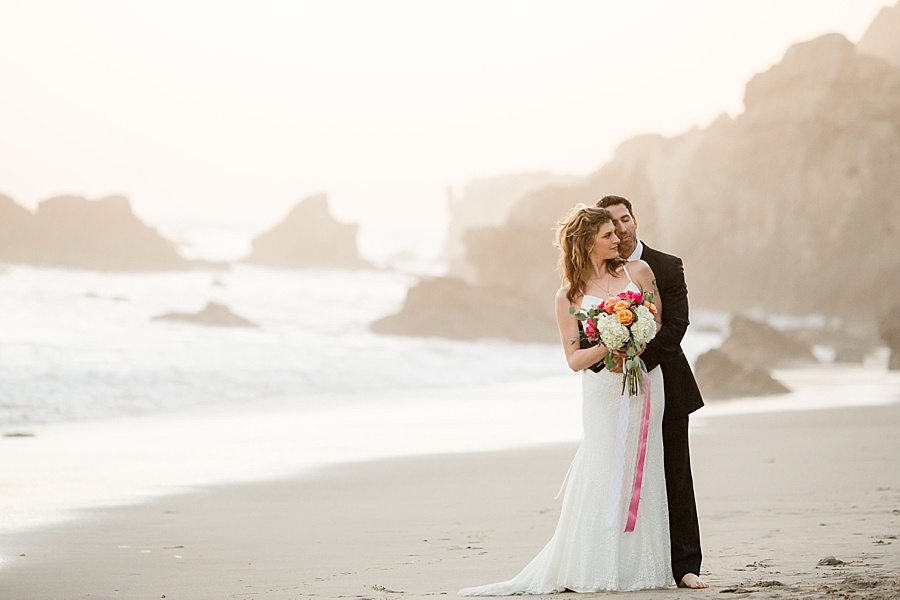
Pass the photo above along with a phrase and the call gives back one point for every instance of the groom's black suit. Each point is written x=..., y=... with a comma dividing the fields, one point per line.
x=682, y=398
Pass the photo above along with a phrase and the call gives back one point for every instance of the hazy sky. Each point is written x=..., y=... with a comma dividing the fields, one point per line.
x=230, y=112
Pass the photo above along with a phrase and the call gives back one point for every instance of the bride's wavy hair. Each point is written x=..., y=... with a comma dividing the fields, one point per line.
x=575, y=237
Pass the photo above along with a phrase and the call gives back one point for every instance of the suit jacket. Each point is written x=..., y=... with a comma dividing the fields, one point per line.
x=682, y=394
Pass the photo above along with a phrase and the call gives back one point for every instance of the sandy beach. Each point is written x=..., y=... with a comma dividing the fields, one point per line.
x=778, y=494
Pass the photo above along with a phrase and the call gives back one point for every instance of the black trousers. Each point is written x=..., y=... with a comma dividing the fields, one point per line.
x=684, y=527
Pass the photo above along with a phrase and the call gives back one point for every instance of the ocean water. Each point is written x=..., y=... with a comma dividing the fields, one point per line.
x=83, y=345
x=78, y=345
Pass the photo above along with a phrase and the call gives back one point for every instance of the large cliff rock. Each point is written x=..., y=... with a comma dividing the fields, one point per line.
x=16, y=231
x=512, y=281
x=308, y=237
x=792, y=207
x=789, y=183
x=73, y=232
x=487, y=203
x=882, y=38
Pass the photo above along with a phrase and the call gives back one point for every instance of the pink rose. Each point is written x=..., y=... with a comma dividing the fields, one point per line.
x=590, y=329
x=635, y=297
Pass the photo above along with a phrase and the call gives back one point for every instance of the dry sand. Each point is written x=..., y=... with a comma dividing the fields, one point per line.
x=777, y=493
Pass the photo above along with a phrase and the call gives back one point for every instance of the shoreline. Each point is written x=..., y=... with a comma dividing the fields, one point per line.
x=59, y=469
x=777, y=493
x=56, y=470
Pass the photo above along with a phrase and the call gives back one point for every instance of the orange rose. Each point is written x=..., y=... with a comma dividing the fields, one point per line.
x=651, y=307
x=609, y=306
x=622, y=305
x=625, y=317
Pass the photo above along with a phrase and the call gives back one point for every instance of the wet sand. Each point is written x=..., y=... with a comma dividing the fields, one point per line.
x=777, y=493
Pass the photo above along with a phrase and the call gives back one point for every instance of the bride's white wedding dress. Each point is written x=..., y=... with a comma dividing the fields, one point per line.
x=590, y=550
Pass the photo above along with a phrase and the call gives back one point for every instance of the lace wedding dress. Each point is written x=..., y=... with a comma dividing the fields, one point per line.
x=591, y=550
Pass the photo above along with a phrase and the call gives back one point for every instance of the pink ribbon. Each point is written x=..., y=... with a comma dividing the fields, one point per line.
x=642, y=454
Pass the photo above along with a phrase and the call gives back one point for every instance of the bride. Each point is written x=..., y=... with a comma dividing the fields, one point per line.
x=599, y=543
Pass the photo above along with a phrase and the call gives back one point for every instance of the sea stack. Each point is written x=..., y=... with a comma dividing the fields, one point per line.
x=308, y=237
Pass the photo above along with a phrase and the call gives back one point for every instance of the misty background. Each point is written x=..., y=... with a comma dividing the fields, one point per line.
x=226, y=114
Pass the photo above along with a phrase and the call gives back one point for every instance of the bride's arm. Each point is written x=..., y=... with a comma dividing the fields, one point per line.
x=578, y=358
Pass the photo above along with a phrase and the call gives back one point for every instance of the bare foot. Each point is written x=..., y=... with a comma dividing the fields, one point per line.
x=692, y=581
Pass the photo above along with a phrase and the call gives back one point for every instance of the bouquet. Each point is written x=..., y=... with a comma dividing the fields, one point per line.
x=623, y=321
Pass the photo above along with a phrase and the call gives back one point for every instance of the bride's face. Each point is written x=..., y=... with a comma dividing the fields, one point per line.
x=606, y=244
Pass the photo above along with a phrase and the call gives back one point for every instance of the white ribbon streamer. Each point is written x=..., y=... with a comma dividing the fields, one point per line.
x=614, y=502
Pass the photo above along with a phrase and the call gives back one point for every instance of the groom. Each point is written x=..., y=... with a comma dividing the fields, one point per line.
x=681, y=391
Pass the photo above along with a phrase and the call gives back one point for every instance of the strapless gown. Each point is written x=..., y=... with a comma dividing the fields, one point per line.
x=590, y=550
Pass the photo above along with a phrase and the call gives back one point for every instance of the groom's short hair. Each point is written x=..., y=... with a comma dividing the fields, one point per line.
x=607, y=201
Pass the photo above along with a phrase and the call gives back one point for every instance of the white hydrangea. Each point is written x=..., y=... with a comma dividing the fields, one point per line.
x=612, y=333
x=644, y=328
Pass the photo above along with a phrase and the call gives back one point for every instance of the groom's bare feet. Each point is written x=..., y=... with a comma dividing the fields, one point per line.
x=692, y=581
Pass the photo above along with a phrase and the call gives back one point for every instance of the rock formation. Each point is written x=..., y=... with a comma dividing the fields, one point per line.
x=214, y=314
x=16, y=227
x=740, y=366
x=791, y=207
x=487, y=203
x=765, y=209
x=847, y=344
x=73, y=232
x=755, y=344
x=485, y=315
x=881, y=38
x=721, y=377
x=308, y=237
x=889, y=330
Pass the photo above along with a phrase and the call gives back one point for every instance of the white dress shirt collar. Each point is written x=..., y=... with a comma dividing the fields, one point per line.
x=638, y=251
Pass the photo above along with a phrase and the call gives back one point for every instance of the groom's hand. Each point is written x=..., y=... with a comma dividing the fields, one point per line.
x=586, y=343
x=619, y=361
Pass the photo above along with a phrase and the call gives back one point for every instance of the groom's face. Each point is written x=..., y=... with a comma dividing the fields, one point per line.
x=626, y=228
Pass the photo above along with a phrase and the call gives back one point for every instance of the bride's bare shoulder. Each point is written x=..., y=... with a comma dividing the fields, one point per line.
x=562, y=296
x=640, y=269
